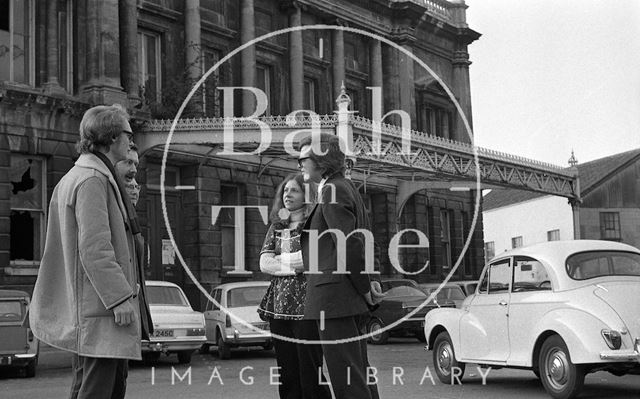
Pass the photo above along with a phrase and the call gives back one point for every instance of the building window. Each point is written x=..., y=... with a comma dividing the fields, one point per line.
x=149, y=66
x=28, y=199
x=445, y=238
x=17, y=50
x=351, y=56
x=489, y=250
x=435, y=120
x=263, y=81
x=610, y=226
x=264, y=23
x=516, y=242
x=65, y=44
x=309, y=94
x=553, y=235
x=210, y=93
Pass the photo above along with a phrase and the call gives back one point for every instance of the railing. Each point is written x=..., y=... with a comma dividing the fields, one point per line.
x=388, y=132
x=435, y=7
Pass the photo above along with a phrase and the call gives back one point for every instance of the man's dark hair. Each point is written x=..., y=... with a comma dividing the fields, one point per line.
x=333, y=159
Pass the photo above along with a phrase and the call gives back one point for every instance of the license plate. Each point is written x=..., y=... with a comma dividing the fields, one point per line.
x=163, y=333
x=5, y=361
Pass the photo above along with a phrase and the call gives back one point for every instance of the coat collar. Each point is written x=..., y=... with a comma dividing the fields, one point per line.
x=90, y=161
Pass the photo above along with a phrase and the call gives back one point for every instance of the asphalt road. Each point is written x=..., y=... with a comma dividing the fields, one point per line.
x=247, y=375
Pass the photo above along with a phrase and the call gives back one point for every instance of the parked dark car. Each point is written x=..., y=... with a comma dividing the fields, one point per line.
x=403, y=296
x=18, y=347
x=449, y=292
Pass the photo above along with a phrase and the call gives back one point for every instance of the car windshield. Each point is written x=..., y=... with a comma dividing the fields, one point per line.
x=586, y=265
x=158, y=295
x=245, y=296
x=404, y=290
x=10, y=311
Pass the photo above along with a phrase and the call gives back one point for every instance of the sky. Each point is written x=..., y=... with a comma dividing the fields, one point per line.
x=549, y=76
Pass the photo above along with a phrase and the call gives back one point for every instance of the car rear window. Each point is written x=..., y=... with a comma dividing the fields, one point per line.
x=586, y=265
x=245, y=296
x=10, y=311
x=165, y=296
x=404, y=291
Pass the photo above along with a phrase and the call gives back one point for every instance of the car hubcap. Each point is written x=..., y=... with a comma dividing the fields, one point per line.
x=445, y=357
x=375, y=327
x=557, y=368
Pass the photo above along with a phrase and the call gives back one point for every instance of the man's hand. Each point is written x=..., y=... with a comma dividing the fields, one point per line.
x=368, y=299
x=124, y=313
x=376, y=293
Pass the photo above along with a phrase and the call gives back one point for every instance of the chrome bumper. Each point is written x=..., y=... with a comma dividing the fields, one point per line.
x=626, y=356
x=173, y=346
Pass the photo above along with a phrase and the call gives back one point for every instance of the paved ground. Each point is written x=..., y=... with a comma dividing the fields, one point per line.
x=246, y=376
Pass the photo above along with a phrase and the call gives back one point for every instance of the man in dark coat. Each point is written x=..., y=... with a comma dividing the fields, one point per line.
x=339, y=287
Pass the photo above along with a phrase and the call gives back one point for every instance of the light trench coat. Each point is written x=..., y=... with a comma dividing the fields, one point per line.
x=88, y=267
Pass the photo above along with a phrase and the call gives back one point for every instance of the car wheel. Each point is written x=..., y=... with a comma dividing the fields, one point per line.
x=378, y=337
x=224, y=351
x=444, y=359
x=30, y=369
x=184, y=357
x=561, y=378
x=204, y=349
x=150, y=358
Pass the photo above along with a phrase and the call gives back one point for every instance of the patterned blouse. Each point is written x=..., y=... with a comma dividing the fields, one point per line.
x=286, y=294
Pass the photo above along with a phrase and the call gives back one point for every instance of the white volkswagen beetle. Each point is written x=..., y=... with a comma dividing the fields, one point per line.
x=562, y=309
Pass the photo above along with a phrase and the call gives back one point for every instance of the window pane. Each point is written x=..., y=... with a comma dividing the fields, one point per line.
x=26, y=231
x=530, y=275
x=165, y=296
x=248, y=296
x=26, y=182
x=499, y=277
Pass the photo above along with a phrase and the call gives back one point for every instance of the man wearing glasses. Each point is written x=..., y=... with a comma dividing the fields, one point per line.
x=85, y=299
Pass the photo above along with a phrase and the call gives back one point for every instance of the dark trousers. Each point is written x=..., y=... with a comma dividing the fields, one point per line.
x=98, y=378
x=347, y=362
x=300, y=364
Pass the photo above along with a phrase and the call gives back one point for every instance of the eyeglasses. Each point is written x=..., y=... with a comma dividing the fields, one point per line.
x=129, y=135
x=300, y=160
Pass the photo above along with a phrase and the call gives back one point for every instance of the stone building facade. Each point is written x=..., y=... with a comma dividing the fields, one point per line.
x=60, y=57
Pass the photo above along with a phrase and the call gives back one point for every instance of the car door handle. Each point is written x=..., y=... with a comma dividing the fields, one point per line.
x=503, y=303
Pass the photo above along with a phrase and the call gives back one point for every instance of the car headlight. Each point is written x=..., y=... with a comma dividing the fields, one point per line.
x=613, y=338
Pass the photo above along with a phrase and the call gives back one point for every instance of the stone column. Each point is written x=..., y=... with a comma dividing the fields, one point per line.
x=461, y=85
x=193, y=51
x=52, y=85
x=337, y=61
x=407, y=85
x=296, y=61
x=192, y=37
x=375, y=63
x=462, y=90
x=129, y=49
x=102, y=85
x=247, y=56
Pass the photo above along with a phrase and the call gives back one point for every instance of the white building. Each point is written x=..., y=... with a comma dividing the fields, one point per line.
x=610, y=208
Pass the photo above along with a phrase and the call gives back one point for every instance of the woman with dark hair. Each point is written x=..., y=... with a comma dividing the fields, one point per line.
x=283, y=305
